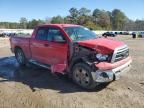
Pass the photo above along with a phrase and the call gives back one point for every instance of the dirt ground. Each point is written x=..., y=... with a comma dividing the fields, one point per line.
x=35, y=87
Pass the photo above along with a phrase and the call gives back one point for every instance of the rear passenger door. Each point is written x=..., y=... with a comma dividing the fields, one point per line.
x=39, y=45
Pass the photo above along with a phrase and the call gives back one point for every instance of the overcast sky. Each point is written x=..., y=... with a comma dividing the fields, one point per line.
x=13, y=10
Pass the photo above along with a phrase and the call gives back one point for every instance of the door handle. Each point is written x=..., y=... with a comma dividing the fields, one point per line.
x=46, y=45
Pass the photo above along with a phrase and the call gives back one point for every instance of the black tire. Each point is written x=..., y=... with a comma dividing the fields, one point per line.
x=21, y=59
x=86, y=81
x=105, y=36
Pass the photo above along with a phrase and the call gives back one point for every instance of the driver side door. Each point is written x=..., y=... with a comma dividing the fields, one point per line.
x=57, y=47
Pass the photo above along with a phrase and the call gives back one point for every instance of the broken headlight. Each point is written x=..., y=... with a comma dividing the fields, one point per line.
x=101, y=57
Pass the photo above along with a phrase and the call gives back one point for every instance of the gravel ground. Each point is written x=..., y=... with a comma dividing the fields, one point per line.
x=35, y=87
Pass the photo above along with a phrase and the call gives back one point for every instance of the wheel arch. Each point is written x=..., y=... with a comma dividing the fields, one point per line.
x=17, y=47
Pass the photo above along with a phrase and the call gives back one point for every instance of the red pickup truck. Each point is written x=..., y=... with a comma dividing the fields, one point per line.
x=74, y=50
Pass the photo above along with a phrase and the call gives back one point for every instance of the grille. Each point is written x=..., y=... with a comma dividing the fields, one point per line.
x=120, y=53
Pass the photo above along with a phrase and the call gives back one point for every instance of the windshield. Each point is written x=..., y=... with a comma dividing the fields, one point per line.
x=80, y=33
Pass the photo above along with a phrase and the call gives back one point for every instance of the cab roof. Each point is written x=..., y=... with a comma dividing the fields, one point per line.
x=59, y=25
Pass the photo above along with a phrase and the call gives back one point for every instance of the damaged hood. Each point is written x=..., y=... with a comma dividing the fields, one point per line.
x=102, y=45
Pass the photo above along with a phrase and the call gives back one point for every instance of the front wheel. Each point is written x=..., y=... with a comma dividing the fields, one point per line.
x=83, y=77
x=20, y=57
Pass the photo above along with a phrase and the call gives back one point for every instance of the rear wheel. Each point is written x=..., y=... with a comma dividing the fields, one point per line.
x=83, y=77
x=20, y=57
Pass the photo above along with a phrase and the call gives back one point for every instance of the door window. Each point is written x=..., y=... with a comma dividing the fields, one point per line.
x=41, y=34
x=55, y=35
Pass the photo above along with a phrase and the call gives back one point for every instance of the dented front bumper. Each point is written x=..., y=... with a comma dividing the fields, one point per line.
x=113, y=72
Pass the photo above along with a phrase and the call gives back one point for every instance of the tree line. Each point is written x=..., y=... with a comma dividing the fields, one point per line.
x=96, y=20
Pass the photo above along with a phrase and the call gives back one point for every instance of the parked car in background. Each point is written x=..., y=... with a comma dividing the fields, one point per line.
x=134, y=34
x=125, y=33
x=122, y=33
x=108, y=34
x=141, y=34
x=2, y=35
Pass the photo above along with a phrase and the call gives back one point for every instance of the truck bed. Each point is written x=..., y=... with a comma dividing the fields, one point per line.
x=21, y=42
